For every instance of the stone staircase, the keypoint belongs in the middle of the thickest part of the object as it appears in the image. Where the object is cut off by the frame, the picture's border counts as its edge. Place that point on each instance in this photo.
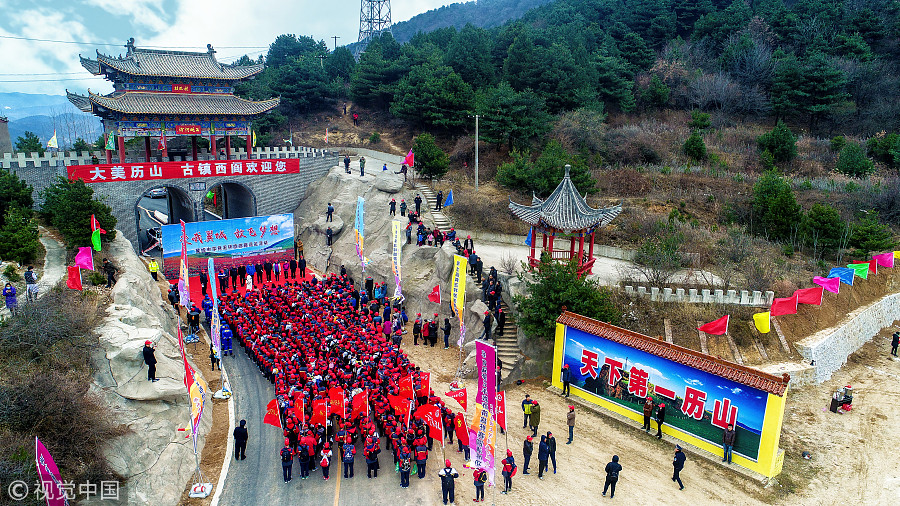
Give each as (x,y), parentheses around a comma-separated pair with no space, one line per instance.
(507,344)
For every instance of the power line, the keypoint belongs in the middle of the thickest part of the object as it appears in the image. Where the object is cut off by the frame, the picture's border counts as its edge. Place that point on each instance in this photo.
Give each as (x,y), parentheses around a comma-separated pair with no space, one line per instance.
(45,74)
(32,39)
(51,80)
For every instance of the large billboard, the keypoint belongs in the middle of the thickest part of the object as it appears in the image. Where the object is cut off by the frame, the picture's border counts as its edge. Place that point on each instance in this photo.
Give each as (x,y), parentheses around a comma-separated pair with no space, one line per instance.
(617,369)
(238,241)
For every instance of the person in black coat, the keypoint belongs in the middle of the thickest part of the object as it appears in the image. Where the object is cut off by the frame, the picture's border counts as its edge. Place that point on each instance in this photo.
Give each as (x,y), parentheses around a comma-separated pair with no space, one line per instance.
(242,274)
(660,418)
(223,281)
(268,267)
(566,379)
(612,476)
(259,273)
(233,273)
(240,441)
(527,450)
(446,329)
(301,264)
(895,341)
(293,267)
(328,235)
(150,360)
(440,201)
(543,456)
(501,320)
(678,465)
(418,202)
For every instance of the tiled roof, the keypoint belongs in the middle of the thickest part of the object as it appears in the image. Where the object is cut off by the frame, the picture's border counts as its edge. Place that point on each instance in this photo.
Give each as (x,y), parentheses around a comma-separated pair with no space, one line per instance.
(80,101)
(564,209)
(712,365)
(134,102)
(154,62)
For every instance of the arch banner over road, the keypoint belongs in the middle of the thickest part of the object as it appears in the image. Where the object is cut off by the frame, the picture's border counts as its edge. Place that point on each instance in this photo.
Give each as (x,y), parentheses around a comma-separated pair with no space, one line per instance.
(148,171)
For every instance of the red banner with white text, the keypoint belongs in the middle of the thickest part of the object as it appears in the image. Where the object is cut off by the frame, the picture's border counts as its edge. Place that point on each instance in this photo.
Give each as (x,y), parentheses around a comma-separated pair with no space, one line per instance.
(121,172)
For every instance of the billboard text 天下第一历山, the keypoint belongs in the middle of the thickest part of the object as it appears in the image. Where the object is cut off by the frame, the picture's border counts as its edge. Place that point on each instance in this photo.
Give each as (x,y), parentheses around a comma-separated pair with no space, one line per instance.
(233,242)
(618,369)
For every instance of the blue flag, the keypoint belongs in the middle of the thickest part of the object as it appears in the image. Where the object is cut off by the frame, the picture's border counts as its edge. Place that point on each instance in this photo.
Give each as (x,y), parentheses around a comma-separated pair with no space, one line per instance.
(845,275)
(449,201)
(528,237)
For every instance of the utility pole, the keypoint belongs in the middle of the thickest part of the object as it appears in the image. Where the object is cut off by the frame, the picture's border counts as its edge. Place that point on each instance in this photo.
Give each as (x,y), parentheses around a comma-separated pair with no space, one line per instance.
(321,58)
(335,37)
(476,152)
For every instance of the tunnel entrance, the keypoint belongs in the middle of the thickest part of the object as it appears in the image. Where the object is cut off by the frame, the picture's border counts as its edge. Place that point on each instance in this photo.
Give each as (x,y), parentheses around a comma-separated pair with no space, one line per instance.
(228,200)
(160,206)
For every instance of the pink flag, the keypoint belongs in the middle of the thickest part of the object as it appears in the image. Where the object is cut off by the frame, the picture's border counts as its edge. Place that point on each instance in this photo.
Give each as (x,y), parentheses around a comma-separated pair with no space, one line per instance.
(786,305)
(810,295)
(49,475)
(884,259)
(833,285)
(410,159)
(717,327)
(85,259)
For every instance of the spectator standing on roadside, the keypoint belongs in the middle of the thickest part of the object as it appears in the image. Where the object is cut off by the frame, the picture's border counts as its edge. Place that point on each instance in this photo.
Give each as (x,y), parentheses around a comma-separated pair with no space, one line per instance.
(535,418)
(526,408)
(660,419)
(240,440)
(570,422)
(153,267)
(895,341)
(612,476)
(12,303)
(648,412)
(566,379)
(150,360)
(678,465)
(527,450)
(551,444)
(728,438)
(448,481)
(543,456)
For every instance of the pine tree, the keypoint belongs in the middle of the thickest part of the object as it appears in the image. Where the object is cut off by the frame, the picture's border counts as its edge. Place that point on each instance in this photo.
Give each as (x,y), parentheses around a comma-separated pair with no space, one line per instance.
(823,86)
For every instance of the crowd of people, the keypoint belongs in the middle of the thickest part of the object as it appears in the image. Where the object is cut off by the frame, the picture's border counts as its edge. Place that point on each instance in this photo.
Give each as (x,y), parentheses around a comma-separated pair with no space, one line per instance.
(313,338)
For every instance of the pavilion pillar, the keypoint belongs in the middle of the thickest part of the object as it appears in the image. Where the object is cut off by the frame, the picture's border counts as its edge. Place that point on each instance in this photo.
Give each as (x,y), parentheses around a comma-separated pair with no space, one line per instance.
(107,152)
(572,248)
(147,152)
(212,147)
(580,249)
(194,146)
(228,147)
(591,247)
(249,144)
(533,241)
(121,149)
(550,244)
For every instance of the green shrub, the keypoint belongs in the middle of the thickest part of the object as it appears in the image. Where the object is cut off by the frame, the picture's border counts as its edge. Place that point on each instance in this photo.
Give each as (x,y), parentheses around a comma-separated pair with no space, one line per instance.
(853,161)
(775,208)
(11,273)
(19,236)
(68,206)
(431,161)
(375,138)
(870,236)
(699,120)
(780,141)
(657,93)
(96,278)
(694,147)
(838,143)
(767,160)
(885,149)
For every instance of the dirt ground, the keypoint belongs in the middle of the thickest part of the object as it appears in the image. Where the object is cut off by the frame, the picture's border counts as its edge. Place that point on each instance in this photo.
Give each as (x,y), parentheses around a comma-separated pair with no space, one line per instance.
(853,460)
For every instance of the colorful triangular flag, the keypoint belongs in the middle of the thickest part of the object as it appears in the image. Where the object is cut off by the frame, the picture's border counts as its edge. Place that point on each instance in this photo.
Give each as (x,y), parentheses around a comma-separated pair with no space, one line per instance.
(110,142)
(861,270)
(52,142)
(410,159)
(785,305)
(435,295)
(74,279)
(884,259)
(528,237)
(762,321)
(810,295)
(95,233)
(449,200)
(85,258)
(833,285)
(716,327)
(844,274)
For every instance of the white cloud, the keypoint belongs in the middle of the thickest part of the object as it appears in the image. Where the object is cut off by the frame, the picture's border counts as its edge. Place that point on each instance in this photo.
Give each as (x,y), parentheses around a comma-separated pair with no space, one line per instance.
(146,13)
(654,373)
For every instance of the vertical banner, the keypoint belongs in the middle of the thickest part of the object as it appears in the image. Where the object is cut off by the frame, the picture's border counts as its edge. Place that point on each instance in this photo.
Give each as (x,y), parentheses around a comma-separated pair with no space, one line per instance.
(501,410)
(486,370)
(360,205)
(458,293)
(482,434)
(397,235)
(184,293)
(51,481)
(215,326)
(196,388)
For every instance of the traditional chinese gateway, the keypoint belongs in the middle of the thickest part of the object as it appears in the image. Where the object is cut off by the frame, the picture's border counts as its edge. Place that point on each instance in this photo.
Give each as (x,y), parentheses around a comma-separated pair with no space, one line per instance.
(164,94)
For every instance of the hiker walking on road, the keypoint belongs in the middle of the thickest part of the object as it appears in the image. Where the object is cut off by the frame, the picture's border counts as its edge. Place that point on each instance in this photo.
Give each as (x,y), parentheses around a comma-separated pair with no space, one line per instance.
(535,418)
(393,207)
(526,408)
(347,164)
(448,484)
(31,286)
(403,207)
(348,451)
(108,268)
(612,476)
(287,461)
(481,478)
(418,202)
(326,460)
(12,303)
(150,360)
(570,422)
(509,467)
(362,166)
(660,419)
(405,467)
(240,441)
(566,379)
(440,201)
(678,465)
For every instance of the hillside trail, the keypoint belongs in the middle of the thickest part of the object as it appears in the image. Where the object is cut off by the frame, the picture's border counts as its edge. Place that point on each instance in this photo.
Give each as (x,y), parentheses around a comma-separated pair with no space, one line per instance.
(362,131)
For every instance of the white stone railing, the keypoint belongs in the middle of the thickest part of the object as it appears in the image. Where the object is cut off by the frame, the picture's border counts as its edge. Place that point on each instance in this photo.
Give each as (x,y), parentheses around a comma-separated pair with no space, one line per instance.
(704,296)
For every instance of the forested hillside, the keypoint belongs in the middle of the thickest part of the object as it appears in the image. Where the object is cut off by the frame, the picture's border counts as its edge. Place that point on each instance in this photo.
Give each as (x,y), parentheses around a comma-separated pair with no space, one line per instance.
(483,14)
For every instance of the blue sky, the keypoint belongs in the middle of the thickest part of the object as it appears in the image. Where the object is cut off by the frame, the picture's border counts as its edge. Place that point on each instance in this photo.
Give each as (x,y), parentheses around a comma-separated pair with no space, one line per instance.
(188,24)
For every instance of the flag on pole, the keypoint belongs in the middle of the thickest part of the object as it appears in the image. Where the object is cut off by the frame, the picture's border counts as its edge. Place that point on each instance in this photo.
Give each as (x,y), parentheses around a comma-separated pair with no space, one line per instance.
(51,480)
(396,250)
(462,432)
(85,259)
(319,412)
(842,273)
(74,279)
(95,233)
(359,229)
(528,237)
(273,414)
(761,320)
(360,405)
(184,292)
(435,295)
(833,285)
(861,270)
(501,409)
(884,259)
(460,395)
(424,384)
(336,401)
(810,295)
(717,327)
(785,305)
(52,142)
(449,200)
(300,408)
(326,136)
(431,414)
(253,138)
(110,142)
(458,293)
(410,159)
(405,387)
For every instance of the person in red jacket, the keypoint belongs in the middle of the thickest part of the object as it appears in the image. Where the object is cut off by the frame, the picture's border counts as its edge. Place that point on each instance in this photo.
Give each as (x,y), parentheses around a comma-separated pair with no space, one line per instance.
(508,470)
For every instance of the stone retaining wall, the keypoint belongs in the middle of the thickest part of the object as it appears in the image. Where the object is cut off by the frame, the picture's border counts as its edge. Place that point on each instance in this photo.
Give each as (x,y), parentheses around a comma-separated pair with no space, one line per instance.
(828,349)
(704,296)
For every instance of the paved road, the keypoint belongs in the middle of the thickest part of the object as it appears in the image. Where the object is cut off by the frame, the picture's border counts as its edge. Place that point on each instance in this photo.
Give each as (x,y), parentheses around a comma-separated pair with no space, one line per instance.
(258,479)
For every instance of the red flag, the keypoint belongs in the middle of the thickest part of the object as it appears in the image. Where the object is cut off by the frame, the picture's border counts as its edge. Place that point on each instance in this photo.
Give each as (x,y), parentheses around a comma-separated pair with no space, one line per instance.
(810,295)
(300,409)
(162,144)
(320,412)
(95,225)
(399,403)
(336,401)
(410,159)
(717,327)
(501,409)
(462,432)
(425,381)
(74,281)
(435,295)
(406,387)
(360,404)
(272,417)
(459,396)
(786,305)
(432,416)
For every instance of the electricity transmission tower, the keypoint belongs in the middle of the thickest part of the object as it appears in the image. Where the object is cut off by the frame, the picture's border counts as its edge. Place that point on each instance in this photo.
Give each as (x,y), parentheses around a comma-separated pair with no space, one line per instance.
(374,18)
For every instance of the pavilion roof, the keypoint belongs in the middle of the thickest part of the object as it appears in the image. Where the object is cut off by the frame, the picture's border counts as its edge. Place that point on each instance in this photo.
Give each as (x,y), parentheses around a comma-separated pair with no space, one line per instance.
(138,102)
(564,209)
(164,63)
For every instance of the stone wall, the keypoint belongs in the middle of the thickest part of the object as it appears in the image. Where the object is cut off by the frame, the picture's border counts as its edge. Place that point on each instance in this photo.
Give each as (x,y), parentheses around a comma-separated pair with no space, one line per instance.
(154,457)
(705,296)
(829,348)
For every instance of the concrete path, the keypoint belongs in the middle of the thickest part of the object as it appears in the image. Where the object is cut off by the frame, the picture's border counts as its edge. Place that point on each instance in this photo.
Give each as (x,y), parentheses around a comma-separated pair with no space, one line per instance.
(258,478)
(54,262)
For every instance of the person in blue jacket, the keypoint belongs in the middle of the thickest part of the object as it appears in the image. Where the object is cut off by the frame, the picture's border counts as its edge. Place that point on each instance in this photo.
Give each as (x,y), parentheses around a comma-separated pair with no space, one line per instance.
(226,340)
(207,307)
(566,379)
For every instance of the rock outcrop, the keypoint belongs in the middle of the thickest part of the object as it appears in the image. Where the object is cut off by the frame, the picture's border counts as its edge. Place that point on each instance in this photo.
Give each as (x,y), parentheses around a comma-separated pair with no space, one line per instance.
(153,456)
